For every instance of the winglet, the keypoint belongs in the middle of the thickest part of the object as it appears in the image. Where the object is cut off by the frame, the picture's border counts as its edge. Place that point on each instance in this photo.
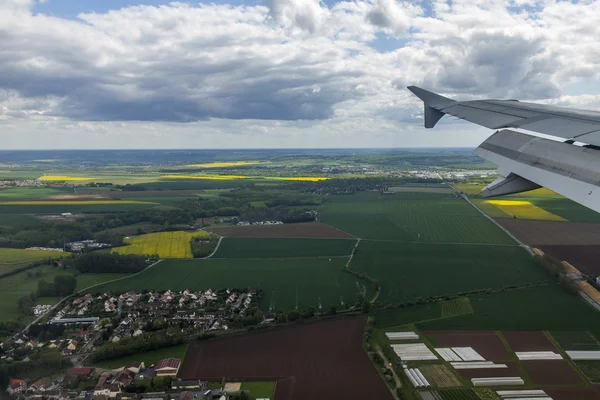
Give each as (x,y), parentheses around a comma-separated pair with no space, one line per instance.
(432,102)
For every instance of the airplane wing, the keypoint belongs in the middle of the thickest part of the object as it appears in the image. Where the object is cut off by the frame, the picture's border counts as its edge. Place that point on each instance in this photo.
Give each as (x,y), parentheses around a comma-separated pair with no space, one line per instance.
(578,125)
(527,162)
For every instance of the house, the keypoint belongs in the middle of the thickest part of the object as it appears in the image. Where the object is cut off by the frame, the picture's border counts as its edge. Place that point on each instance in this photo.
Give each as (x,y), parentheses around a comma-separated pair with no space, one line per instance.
(137,333)
(79,371)
(167,367)
(135,366)
(124,378)
(16,386)
(114,390)
(72,345)
(186,396)
(36,386)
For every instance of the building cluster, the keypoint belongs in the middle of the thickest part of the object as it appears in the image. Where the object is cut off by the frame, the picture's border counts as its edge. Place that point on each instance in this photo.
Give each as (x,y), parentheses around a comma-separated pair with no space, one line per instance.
(20,183)
(92,320)
(135,381)
(245,223)
(91,244)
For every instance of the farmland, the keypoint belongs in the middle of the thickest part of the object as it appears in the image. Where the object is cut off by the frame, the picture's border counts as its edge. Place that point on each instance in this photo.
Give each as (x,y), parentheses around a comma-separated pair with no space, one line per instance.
(298,230)
(54,207)
(287,283)
(21,284)
(524,209)
(540,308)
(575,242)
(409,270)
(334,346)
(150,357)
(283,247)
(12,258)
(544,199)
(174,244)
(411,217)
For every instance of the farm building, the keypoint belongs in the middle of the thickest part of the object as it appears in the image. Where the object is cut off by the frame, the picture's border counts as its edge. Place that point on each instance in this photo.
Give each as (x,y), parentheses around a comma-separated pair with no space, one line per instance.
(167,367)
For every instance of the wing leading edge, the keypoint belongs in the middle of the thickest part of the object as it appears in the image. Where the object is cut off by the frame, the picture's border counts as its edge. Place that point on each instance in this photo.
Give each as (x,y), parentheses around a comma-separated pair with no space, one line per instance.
(526,162)
(578,125)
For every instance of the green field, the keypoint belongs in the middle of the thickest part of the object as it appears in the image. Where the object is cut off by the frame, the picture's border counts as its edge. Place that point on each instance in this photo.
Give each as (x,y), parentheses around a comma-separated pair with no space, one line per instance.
(21,284)
(412,217)
(23,193)
(543,198)
(286,283)
(590,368)
(260,390)
(283,247)
(406,315)
(458,394)
(409,270)
(576,341)
(11,257)
(71,208)
(149,357)
(19,220)
(541,308)
(456,307)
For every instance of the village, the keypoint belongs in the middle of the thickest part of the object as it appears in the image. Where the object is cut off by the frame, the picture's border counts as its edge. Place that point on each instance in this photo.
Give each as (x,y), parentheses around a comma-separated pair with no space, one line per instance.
(89,324)
(135,380)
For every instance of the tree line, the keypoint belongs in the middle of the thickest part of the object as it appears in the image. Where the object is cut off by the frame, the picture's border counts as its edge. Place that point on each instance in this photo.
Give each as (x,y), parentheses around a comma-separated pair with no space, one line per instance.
(100,262)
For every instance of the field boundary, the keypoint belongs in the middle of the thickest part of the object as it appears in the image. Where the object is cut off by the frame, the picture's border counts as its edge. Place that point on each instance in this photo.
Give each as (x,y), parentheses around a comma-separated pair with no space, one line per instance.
(513,237)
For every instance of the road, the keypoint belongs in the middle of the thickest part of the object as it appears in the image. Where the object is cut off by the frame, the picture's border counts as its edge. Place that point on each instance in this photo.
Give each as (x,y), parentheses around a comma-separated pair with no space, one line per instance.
(466,198)
(54,307)
(392,370)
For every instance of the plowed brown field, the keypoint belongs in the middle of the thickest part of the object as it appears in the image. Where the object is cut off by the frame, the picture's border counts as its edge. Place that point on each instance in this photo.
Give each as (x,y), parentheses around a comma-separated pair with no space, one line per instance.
(575,242)
(300,230)
(551,372)
(319,360)
(486,343)
(528,341)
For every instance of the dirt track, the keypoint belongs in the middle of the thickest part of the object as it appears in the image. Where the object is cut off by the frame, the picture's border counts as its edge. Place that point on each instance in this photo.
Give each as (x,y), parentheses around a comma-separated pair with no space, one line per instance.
(299,230)
(575,242)
(551,233)
(317,360)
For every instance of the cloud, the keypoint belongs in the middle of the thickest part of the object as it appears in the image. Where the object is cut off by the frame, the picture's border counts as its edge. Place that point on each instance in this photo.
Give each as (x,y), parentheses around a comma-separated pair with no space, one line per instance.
(296,61)
(392,16)
(307,15)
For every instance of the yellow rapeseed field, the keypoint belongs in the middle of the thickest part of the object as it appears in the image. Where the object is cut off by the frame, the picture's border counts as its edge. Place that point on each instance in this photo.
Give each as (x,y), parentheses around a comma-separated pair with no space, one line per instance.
(225,164)
(64,178)
(63,202)
(524,209)
(174,244)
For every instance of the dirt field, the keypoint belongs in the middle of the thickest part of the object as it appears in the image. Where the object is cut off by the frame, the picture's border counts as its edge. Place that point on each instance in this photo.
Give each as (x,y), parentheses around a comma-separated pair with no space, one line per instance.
(318,360)
(512,370)
(300,230)
(94,196)
(551,372)
(486,343)
(588,393)
(551,233)
(528,341)
(584,258)
(575,242)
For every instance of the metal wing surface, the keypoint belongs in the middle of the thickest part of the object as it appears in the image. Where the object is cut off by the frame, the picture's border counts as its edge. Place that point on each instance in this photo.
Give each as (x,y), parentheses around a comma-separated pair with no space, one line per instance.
(578,125)
(527,162)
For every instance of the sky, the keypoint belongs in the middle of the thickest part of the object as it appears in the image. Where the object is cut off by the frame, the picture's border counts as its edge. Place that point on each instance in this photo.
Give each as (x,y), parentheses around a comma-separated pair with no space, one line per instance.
(108,74)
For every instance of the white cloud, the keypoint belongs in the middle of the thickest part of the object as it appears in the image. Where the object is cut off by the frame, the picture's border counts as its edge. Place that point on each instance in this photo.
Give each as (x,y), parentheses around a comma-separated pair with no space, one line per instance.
(228,71)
